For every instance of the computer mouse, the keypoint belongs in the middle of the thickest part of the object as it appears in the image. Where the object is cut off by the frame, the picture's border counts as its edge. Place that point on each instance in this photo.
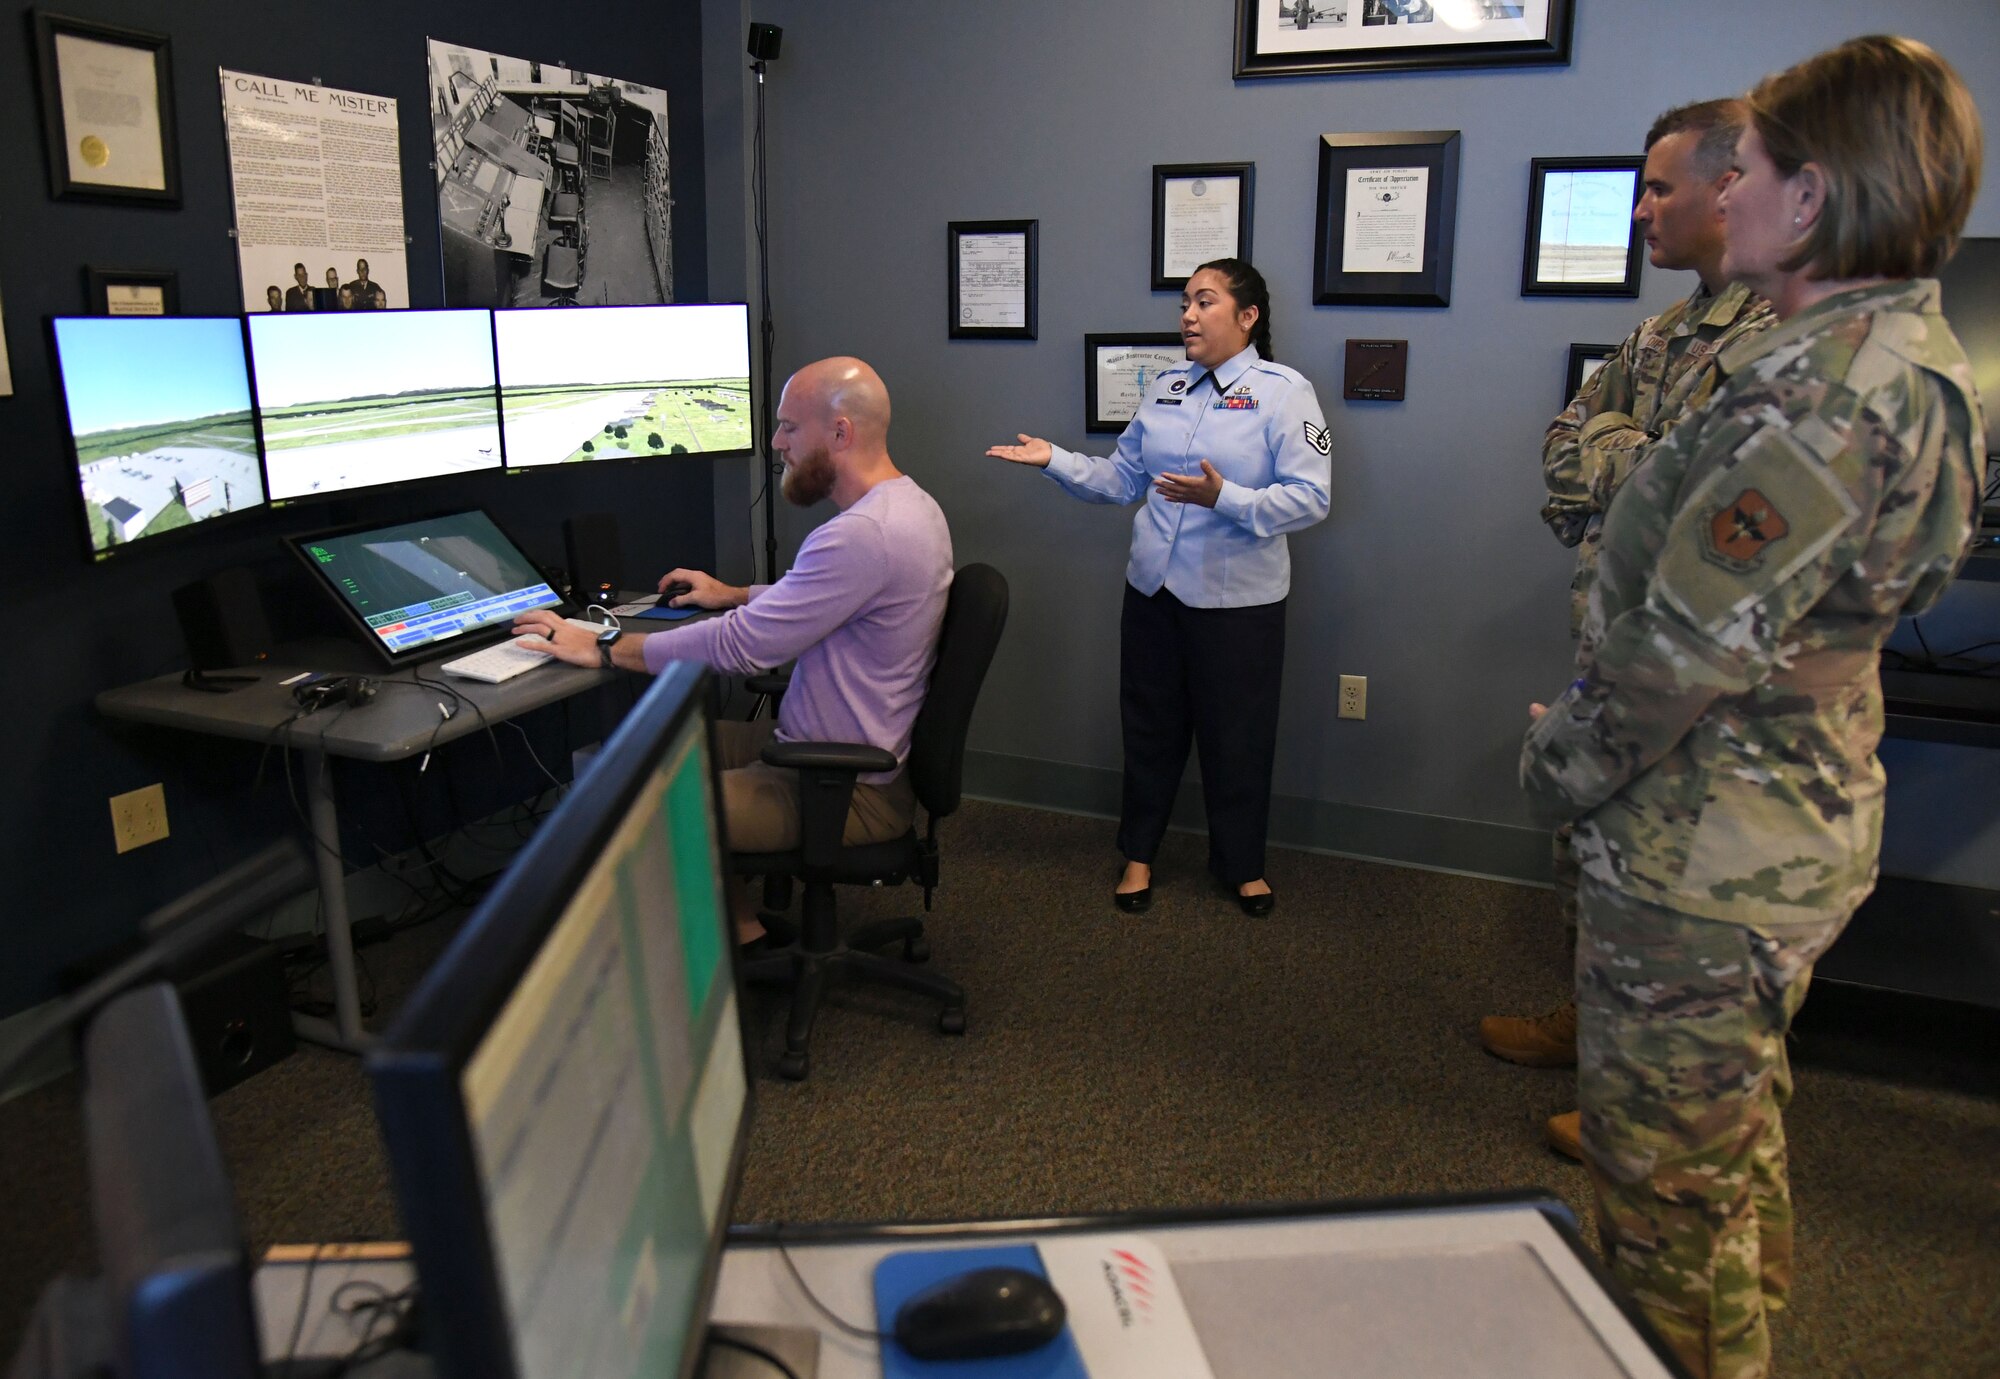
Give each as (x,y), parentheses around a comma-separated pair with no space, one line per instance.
(675,590)
(981,1313)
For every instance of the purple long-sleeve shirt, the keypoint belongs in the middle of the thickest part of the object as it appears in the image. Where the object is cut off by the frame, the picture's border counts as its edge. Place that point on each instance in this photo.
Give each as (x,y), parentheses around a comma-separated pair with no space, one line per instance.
(859,610)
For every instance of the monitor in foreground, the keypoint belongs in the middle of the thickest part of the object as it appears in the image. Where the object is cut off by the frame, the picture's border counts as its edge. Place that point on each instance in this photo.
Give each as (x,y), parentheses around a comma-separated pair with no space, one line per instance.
(160,423)
(353,400)
(563,1100)
(624,382)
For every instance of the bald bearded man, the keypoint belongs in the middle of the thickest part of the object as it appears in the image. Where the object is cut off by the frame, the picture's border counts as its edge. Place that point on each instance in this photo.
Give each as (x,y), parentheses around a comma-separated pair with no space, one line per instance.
(859,610)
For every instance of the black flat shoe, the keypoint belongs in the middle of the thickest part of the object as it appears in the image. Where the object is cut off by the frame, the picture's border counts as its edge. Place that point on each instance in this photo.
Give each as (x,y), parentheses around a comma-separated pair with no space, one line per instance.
(1133,902)
(1256,906)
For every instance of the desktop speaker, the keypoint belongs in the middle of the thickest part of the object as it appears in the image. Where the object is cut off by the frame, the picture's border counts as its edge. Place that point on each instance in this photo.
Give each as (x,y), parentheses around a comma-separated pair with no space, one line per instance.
(764,41)
(238,1015)
(590,545)
(222,618)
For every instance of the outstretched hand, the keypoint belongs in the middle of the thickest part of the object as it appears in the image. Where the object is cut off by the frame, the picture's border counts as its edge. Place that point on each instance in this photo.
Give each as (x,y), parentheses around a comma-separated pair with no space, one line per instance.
(1202,489)
(1031,450)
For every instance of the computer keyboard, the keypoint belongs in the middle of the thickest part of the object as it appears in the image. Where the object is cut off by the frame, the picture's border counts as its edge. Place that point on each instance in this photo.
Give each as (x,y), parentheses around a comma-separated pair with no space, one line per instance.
(505,660)
(501,661)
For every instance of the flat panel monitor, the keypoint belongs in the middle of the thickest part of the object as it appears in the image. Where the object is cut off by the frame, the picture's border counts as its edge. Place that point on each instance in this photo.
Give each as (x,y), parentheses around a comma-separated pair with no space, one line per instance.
(1970,285)
(416,589)
(359,399)
(563,1099)
(159,422)
(623,382)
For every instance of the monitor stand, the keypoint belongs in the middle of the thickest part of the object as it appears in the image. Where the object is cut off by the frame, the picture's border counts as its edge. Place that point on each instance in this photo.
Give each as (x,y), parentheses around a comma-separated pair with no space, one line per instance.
(796,1346)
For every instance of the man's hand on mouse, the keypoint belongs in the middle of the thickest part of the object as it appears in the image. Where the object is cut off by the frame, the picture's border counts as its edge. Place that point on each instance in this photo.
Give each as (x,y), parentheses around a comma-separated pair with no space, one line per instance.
(702,591)
(541,630)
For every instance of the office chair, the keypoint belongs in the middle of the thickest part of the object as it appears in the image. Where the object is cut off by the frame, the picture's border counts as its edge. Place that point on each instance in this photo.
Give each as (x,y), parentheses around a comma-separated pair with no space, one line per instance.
(975,614)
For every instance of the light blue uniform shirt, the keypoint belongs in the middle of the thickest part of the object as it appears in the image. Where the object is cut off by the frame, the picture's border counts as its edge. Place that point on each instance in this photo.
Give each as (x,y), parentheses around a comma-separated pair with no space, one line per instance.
(1260,425)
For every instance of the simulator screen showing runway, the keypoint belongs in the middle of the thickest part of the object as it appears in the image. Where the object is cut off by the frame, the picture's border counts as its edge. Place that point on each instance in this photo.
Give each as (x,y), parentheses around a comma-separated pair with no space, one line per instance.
(353,400)
(159,413)
(624,382)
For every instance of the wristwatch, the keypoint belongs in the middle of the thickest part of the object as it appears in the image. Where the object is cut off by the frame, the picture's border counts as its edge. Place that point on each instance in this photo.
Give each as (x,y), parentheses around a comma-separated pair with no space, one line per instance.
(604,641)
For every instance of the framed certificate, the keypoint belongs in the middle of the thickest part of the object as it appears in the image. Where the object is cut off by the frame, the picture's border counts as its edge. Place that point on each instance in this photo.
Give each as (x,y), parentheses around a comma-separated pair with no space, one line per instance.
(1291,38)
(1582,240)
(1201,211)
(107,112)
(992,279)
(1388,207)
(1584,362)
(1117,369)
(132,291)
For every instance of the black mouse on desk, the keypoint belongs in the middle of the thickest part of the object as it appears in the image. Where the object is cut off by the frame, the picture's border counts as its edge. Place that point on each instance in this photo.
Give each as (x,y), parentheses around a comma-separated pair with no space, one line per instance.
(675,590)
(982,1313)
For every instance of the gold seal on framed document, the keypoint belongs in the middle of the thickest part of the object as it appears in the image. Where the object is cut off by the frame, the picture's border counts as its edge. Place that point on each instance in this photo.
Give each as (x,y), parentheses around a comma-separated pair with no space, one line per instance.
(94,150)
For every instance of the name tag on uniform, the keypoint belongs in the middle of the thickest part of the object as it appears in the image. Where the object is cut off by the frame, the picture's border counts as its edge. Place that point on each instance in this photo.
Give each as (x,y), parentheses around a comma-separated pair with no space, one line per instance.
(1167,401)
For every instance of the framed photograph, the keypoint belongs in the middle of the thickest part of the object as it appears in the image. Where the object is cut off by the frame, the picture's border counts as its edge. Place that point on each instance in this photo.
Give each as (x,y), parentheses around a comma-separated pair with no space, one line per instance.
(1201,211)
(1584,362)
(132,291)
(1117,370)
(993,279)
(1297,38)
(107,112)
(1388,205)
(1581,239)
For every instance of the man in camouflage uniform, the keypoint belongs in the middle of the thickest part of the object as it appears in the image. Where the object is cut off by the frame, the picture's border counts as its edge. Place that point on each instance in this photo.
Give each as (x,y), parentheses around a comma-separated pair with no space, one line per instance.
(1663,372)
(1717,756)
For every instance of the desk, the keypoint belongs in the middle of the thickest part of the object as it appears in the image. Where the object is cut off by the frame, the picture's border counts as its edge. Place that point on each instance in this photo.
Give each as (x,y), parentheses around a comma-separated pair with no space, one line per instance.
(1495,1285)
(401,722)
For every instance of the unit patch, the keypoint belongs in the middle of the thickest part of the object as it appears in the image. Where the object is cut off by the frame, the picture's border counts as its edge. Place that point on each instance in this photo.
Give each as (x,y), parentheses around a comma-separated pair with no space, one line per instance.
(1178,386)
(1739,530)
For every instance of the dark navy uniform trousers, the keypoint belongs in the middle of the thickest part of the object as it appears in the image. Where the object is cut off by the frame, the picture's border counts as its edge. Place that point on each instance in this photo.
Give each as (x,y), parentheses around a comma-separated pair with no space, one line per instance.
(1208,676)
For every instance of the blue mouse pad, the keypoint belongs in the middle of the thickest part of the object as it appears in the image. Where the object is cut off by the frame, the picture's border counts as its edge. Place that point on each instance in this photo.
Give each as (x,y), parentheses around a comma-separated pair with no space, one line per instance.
(659,612)
(899,1276)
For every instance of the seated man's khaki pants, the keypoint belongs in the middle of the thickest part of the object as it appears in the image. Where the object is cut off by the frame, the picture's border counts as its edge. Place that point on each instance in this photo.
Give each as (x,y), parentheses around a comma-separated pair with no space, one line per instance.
(760,803)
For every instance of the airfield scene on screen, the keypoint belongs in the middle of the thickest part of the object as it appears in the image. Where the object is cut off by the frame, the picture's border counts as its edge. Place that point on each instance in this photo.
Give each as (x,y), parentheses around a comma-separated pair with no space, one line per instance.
(160,411)
(351,401)
(602,383)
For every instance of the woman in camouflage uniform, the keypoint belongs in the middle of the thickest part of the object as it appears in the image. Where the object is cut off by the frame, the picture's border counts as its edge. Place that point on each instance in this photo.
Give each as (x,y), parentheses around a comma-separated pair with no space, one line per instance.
(1717,750)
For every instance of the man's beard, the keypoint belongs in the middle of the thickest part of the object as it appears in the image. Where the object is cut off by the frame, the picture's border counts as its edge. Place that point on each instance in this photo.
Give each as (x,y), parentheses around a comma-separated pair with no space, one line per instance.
(808,481)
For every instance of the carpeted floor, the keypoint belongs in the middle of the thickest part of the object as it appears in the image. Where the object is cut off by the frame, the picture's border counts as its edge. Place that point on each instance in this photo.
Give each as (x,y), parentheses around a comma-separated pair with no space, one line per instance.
(1187,1056)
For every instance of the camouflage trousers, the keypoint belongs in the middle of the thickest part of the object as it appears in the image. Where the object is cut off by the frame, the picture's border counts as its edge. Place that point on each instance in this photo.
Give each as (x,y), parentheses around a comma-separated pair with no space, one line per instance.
(1682,1076)
(1567,875)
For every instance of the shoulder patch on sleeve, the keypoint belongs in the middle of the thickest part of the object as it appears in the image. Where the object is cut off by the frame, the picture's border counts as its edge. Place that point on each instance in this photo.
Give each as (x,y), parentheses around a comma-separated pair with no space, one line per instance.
(1319,439)
(1750,526)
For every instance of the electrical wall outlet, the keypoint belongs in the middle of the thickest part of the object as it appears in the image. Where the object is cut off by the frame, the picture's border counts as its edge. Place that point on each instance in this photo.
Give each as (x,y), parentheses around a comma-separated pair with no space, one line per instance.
(1353,696)
(139,817)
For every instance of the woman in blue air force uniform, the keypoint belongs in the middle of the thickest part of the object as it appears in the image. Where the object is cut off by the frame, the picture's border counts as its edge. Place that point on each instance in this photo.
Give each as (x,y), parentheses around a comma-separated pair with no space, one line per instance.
(1229,453)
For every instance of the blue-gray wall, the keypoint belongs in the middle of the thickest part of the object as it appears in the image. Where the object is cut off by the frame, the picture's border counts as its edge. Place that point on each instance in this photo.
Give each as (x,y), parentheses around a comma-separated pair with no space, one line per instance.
(1432,577)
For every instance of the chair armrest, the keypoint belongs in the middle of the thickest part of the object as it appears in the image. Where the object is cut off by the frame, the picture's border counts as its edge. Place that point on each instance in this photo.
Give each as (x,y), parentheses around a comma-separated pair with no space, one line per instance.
(828,756)
(767,682)
(827,775)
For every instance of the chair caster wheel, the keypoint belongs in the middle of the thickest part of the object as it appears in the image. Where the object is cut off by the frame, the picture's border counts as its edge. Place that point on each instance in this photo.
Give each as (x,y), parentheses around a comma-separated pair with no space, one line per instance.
(916,950)
(792,1066)
(951,1022)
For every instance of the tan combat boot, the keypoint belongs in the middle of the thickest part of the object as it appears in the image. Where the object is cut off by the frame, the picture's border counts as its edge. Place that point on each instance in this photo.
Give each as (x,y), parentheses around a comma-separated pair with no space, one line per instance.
(1565,1134)
(1535,1041)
